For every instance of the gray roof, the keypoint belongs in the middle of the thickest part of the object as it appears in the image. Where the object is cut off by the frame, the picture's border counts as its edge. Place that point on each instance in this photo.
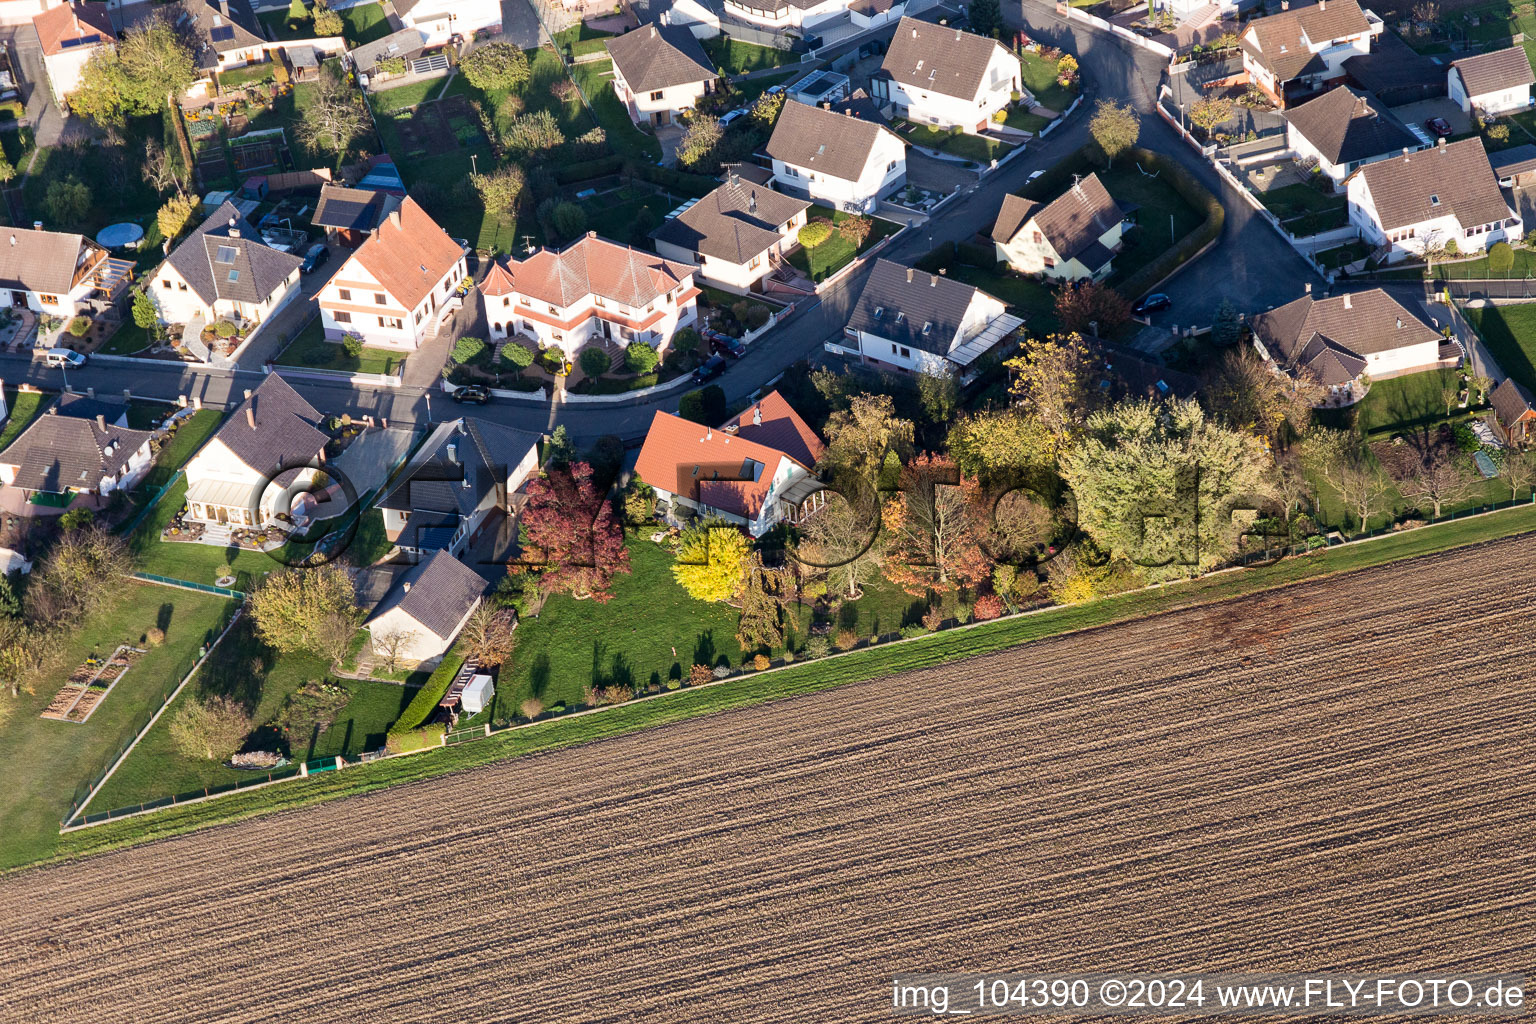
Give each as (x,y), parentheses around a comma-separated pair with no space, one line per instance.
(1346,125)
(44,261)
(1514,160)
(352,209)
(286,434)
(408,42)
(432,486)
(1395,72)
(944,60)
(218,26)
(834,142)
(1330,337)
(898,302)
(1454,178)
(59,453)
(1492,72)
(226,259)
(1073,222)
(735,222)
(438,593)
(660,56)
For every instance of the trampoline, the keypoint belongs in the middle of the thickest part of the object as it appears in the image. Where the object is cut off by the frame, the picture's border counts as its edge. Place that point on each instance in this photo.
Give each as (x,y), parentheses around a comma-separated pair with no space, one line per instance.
(120,236)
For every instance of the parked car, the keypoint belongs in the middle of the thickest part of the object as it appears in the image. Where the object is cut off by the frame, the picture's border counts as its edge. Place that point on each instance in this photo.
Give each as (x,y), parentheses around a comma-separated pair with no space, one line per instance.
(725,345)
(476,393)
(63,358)
(314,256)
(733,116)
(774,90)
(1035,174)
(1439,127)
(711,369)
(1152,304)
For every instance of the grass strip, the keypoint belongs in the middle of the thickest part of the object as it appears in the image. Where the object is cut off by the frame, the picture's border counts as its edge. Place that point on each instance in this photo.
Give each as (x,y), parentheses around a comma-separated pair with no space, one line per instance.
(809,677)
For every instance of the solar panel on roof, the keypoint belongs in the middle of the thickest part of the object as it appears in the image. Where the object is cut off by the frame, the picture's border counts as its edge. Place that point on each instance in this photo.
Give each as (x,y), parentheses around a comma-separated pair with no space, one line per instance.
(221,33)
(226,254)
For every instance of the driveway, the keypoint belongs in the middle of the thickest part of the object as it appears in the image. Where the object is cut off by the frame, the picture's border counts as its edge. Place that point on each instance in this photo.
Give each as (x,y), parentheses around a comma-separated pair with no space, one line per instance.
(287,322)
(51,125)
(937,175)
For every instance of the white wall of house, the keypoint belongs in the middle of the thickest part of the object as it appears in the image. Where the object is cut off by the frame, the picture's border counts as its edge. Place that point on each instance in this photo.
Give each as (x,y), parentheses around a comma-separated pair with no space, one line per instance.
(787,17)
(1410,239)
(772,512)
(1029,251)
(1409,357)
(423,644)
(863,21)
(354,302)
(983,309)
(1501,101)
(441,19)
(734,277)
(54,305)
(1003,78)
(692,15)
(179,304)
(661,106)
(571,327)
(215,463)
(1334,53)
(64,69)
(884,171)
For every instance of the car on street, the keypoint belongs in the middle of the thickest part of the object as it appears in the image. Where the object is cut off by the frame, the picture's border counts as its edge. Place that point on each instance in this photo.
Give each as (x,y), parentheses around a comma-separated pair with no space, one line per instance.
(725,345)
(1152,304)
(1439,127)
(314,256)
(774,90)
(476,393)
(1035,174)
(65,358)
(711,369)
(733,117)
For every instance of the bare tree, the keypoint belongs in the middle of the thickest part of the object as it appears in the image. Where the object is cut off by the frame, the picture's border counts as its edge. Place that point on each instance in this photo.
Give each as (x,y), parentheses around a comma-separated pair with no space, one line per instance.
(158,168)
(841,540)
(392,645)
(1449,396)
(488,634)
(336,117)
(1516,469)
(1440,480)
(1363,491)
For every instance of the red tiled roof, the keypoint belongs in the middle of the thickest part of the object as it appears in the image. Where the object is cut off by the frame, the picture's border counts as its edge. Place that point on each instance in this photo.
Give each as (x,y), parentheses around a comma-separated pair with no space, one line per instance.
(771,422)
(407,254)
(73,21)
(596,266)
(497,282)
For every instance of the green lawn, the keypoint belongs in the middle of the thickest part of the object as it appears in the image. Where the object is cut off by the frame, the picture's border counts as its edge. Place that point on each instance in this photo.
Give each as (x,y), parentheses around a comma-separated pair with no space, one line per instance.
(189,437)
(614,214)
(311,349)
(388,101)
(582,39)
(735,57)
(130,338)
(836,252)
(363,24)
(287,111)
(45,760)
(1161,208)
(107,168)
(23,408)
(945,647)
(1472,270)
(747,90)
(596,80)
(1407,403)
(251,73)
(968,147)
(246,669)
(1293,200)
(1040,79)
(1510,334)
(1024,121)
(277,21)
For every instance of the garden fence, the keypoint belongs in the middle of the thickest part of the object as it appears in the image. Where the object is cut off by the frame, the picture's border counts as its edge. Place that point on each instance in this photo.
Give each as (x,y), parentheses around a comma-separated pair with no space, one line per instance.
(202,588)
(281,774)
(138,517)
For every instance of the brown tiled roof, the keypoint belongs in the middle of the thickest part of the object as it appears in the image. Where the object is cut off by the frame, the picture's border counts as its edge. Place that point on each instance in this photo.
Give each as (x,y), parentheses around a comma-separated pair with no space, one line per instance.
(1331,337)
(1279,42)
(408,254)
(937,58)
(1072,222)
(44,261)
(437,593)
(498,281)
(1511,401)
(596,266)
(1491,72)
(735,222)
(771,422)
(60,453)
(834,142)
(80,24)
(659,56)
(286,433)
(1454,178)
(1346,124)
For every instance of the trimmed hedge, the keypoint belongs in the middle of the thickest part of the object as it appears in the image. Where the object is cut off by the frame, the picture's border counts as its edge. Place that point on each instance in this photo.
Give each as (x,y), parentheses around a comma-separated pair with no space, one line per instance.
(697,185)
(584,170)
(1196,195)
(420,707)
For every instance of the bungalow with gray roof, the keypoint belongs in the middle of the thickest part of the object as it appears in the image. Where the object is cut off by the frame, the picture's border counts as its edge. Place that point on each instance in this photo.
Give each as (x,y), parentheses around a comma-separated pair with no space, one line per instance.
(426,609)
(61,458)
(914,321)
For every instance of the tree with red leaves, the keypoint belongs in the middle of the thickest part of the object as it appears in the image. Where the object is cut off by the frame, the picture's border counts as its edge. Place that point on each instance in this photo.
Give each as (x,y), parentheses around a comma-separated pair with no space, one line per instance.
(572,538)
(933,528)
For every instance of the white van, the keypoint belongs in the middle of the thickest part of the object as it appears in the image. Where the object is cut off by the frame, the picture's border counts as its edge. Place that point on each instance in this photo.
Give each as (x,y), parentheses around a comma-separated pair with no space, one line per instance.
(63,357)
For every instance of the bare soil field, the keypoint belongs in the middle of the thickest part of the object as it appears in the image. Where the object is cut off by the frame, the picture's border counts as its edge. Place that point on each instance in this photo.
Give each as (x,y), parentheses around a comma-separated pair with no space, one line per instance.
(1333,776)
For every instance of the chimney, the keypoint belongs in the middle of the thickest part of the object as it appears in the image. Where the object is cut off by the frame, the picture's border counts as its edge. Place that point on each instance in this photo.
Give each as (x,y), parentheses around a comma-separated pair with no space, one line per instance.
(247,394)
(394,217)
(909,275)
(1322,5)
(405,588)
(1349,303)
(101,417)
(934,282)
(653,31)
(957,35)
(1441,143)
(826,104)
(1309,287)
(250,416)
(735,178)
(709,434)
(37,225)
(752,202)
(234,228)
(757,414)
(453,453)
(1285,5)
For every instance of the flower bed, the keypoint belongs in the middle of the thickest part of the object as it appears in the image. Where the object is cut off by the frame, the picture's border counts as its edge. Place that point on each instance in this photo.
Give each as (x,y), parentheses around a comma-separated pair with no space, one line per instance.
(89,684)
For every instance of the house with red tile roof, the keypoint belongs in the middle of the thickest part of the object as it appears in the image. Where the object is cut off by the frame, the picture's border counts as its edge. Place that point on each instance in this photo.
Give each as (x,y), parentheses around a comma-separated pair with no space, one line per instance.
(398,287)
(755,471)
(69,34)
(592,290)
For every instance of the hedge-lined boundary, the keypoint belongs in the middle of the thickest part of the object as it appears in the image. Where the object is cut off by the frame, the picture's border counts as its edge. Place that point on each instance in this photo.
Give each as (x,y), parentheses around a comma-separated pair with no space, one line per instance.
(1192,244)
(695,185)
(431,692)
(800,678)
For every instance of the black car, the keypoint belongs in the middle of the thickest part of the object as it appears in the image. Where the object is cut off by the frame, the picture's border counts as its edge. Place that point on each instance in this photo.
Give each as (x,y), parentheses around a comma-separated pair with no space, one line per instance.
(477,393)
(314,256)
(725,345)
(710,370)
(1152,304)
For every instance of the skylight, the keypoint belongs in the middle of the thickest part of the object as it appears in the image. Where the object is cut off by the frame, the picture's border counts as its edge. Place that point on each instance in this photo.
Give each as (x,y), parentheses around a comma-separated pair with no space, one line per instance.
(226,254)
(234,275)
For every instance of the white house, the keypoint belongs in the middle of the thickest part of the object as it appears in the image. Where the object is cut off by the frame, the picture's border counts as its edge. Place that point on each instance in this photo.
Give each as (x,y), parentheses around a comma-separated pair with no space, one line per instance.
(62,457)
(1446,197)
(57,272)
(70,33)
(426,608)
(223,270)
(1337,341)
(1074,237)
(806,15)
(463,473)
(1493,83)
(441,20)
(1345,129)
(937,75)
(659,71)
(914,321)
(269,449)
(592,290)
(1301,50)
(837,156)
(395,290)
(736,235)
(755,471)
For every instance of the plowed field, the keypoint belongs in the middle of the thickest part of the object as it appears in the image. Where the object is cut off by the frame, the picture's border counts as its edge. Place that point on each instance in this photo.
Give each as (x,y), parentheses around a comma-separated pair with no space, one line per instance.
(1335,776)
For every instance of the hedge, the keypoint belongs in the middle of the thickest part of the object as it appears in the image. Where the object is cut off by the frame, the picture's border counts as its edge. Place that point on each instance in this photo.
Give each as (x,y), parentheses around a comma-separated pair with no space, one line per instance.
(698,185)
(583,170)
(1197,196)
(427,698)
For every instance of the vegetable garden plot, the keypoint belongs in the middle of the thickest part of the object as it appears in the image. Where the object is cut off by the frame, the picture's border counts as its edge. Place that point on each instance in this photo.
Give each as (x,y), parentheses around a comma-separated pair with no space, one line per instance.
(89,684)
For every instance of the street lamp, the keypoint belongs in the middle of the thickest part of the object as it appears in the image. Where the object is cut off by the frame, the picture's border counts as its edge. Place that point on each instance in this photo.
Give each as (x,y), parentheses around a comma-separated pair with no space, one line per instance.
(429,406)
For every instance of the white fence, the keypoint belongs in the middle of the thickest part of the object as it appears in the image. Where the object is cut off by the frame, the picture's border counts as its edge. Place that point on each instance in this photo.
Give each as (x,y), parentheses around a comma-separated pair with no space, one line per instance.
(386,380)
(1074,14)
